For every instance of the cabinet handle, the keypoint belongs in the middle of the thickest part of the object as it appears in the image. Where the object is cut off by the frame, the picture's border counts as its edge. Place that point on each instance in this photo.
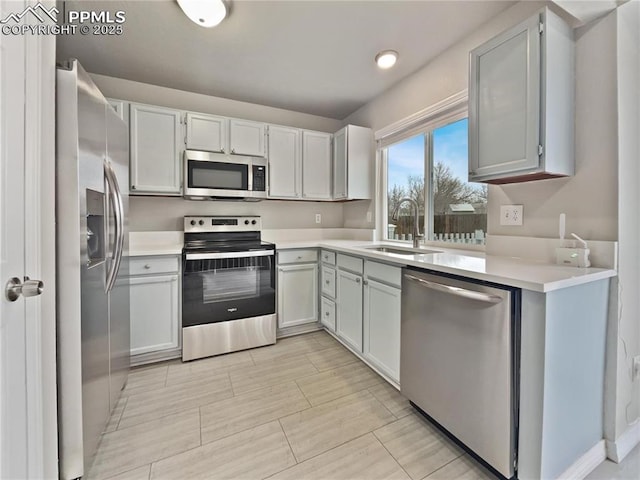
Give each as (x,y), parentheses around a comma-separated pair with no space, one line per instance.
(222,150)
(147,266)
(233,150)
(358,280)
(327,282)
(326,257)
(299,258)
(365,282)
(326,314)
(133,187)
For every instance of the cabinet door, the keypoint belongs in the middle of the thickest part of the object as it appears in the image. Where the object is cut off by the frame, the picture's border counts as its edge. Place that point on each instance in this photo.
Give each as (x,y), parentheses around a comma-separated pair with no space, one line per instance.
(340,164)
(349,309)
(504,103)
(155,313)
(316,165)
(285,166)
(156,143)
(297,294)
(207,132)
(246,138)
(382,327)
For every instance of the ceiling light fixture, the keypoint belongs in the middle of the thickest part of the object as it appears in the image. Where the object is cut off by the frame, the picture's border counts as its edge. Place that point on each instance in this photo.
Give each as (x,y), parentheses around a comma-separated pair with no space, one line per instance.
(206,13)
(386,58)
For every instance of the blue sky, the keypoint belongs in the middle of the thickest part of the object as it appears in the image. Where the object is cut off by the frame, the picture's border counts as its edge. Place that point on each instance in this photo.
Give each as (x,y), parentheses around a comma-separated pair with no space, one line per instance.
(450,147)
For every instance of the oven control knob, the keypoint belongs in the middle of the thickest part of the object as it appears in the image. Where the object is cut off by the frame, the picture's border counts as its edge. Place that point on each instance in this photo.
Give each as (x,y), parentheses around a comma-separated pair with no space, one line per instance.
(193,222)
(253,222)
(246,222)
(201,222)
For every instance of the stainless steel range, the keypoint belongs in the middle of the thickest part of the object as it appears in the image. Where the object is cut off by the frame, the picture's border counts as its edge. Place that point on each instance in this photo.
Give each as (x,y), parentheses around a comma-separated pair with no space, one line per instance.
(228,286)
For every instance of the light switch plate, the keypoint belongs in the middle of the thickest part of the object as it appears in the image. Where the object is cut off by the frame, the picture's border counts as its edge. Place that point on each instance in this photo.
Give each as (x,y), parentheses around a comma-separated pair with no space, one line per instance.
(511,215)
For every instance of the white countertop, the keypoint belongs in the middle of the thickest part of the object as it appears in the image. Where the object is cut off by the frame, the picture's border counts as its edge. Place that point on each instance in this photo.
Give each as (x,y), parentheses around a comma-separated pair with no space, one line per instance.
(517,272)
(526,274)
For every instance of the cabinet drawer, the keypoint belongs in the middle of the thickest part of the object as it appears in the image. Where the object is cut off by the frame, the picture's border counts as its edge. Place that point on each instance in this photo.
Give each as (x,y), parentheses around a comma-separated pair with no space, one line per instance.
(348,262)
(297,256)
(153,265)
(328,257)
(328,314)
(329,281)
(384,273)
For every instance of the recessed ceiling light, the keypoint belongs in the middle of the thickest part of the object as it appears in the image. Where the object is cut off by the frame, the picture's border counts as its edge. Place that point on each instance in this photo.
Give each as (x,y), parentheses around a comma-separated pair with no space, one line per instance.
(386,58)
(206,13)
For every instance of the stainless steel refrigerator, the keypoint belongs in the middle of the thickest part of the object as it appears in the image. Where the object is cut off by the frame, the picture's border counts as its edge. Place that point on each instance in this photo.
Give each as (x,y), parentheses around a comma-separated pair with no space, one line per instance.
(92,170)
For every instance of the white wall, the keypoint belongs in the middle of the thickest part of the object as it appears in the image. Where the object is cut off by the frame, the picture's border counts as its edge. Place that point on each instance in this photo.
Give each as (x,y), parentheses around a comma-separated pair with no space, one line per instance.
(623,402)
(590,197)
(165,213)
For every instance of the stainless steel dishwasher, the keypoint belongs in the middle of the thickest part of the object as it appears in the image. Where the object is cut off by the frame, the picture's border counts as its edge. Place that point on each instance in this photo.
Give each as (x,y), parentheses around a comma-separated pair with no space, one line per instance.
(460,349)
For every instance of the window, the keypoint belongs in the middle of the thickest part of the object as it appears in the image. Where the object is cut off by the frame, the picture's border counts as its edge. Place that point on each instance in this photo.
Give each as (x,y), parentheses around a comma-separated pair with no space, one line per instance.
(450,209)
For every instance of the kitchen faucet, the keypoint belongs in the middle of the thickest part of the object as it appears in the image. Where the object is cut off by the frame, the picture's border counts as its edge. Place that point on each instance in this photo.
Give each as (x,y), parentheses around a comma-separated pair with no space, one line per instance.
(416,232)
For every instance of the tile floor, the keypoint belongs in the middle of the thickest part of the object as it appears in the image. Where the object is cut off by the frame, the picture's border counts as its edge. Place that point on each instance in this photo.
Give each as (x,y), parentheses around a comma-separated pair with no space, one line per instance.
(304,408)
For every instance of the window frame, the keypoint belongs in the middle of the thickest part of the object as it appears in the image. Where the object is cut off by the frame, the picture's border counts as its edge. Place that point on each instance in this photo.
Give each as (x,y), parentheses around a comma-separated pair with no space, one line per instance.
(450,110)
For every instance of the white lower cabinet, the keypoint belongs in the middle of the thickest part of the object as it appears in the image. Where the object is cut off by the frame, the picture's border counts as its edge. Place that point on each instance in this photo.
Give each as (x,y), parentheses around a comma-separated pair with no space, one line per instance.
(297,294)
(155,309)
(349,309)
(382,327)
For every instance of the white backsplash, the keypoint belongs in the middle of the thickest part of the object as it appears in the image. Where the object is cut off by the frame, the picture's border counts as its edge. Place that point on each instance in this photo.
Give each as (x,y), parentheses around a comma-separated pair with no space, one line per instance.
(604,254)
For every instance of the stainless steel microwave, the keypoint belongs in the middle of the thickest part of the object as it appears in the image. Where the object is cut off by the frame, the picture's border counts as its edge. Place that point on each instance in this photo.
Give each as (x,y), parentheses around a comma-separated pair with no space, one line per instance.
(218,175)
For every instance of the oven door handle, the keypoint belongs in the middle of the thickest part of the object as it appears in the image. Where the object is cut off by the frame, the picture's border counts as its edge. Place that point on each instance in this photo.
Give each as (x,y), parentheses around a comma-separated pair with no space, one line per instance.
(214,256)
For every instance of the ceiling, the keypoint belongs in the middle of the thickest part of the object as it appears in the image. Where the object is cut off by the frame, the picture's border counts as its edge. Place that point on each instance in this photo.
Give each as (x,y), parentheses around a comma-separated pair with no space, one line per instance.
(308,56)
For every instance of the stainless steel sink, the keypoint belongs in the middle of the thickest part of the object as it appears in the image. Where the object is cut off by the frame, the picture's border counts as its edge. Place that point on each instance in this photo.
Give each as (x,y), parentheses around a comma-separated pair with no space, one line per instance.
(401,251)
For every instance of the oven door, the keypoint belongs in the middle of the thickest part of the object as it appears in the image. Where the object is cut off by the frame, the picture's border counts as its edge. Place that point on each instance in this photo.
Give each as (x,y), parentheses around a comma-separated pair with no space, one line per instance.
(213,174)
(218,287)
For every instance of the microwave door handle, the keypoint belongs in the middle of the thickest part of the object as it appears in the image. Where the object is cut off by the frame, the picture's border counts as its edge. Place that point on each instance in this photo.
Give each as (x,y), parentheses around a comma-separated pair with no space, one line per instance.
(115,197)
(250,177)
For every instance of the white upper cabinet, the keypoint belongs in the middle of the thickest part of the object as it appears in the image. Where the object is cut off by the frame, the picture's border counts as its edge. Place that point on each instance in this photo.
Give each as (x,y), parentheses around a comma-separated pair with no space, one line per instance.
(285,162)
(156,146)
(521,103)
(246,138)
(207,132)
(316,165)
(352,163)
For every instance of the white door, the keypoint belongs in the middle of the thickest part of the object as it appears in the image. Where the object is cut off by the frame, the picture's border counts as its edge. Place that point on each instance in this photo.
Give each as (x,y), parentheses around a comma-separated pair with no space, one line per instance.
(156,146)
(246,138)
(316,165)
(349,309)
(382,327)
(155,314)
(207,132)
(297,294)
(285,167)
(28,436)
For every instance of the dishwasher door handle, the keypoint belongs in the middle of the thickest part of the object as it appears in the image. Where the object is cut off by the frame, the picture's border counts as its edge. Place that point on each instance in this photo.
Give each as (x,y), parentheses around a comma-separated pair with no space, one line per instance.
(457,291)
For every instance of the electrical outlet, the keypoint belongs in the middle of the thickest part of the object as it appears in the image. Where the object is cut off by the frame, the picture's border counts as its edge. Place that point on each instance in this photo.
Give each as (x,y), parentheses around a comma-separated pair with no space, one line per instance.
(636,367)
(369,216)
(318,218)
(511,215)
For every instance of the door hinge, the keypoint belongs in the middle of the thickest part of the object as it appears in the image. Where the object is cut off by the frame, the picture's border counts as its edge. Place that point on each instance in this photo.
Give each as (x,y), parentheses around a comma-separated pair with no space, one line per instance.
(540,28)
(540,150)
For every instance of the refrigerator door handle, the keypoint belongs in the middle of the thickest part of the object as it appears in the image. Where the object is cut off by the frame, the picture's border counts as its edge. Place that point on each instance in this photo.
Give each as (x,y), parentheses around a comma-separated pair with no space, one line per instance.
(118,211)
